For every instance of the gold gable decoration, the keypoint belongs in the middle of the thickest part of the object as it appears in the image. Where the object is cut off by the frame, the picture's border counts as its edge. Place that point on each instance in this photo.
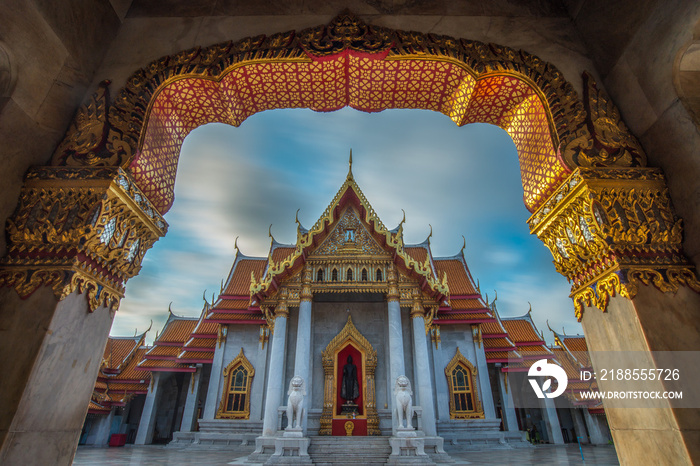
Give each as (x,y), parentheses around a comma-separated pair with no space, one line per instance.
(478,412)
(307,240)
(349,237)
(349,333)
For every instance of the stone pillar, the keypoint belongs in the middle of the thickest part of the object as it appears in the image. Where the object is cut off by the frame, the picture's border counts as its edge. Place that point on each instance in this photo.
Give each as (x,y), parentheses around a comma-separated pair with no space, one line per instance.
(104,429)
(642,298)
(275,375)
(147,424)
(579,426)
(190,412)
(217,368)
(594,431)
(76,237)
(551,421)
(510,420)
(396,358)
(422,371)
(302,358)
(486,395)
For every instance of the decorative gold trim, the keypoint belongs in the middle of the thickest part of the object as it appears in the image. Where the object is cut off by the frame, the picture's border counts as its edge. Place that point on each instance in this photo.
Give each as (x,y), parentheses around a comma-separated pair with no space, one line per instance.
(349,334)
(243,361)
(610,229)
(79,229)
(478,413)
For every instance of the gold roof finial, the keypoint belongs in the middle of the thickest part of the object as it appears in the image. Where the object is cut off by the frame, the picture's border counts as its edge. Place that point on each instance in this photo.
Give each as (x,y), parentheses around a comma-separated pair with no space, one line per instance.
(464,245)
(350,166)
(235,244)
(296,217)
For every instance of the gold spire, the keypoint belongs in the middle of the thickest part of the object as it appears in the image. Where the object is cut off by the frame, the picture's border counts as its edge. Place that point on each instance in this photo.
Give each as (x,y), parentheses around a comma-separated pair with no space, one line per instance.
(350,177)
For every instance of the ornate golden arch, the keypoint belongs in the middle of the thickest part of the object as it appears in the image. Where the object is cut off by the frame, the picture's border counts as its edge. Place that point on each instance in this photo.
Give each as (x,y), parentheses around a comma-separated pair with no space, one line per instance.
(349,333)
(243,361)
(463,79)
(457,360)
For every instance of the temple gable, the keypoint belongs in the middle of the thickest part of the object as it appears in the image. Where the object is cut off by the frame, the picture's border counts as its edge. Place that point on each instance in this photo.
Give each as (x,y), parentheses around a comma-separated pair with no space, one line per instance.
(350,236)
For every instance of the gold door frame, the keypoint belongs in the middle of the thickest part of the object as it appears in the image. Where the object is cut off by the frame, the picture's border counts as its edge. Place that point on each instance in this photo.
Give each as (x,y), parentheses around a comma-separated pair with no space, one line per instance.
(349,333)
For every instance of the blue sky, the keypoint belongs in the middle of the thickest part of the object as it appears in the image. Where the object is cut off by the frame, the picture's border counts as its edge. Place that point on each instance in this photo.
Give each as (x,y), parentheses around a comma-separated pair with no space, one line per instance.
(237,181)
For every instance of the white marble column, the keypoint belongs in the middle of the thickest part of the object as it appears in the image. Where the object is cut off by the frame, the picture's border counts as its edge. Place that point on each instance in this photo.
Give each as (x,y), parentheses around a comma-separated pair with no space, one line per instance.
(144,435)
(423,383)
(190,412)
(579,426)
(396,358)
(510,420)
(594,431)
(215,384)
(302,357)
(275,376)
(551,421)
(485,393)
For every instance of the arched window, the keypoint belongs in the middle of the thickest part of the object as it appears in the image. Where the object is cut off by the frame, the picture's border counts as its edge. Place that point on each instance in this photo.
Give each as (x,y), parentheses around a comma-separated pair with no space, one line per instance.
(379,275)
(464,400)
(348,275)
(364,275)
(319,275)
(235,400)
(334,275)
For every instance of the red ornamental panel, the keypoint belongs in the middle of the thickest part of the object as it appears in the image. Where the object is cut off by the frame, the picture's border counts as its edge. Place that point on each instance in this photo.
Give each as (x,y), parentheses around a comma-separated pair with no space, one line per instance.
(364,82)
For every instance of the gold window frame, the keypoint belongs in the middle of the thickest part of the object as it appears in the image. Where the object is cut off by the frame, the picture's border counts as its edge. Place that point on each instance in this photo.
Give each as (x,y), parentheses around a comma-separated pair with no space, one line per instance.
(229,370)
(460,360)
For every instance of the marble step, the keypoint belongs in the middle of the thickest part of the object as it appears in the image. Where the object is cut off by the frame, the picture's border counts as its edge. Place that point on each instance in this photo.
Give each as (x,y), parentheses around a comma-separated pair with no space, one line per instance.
(370,451)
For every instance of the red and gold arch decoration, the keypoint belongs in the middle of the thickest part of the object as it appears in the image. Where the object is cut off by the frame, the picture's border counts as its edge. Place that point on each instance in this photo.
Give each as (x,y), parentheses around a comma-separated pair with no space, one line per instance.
(345,63)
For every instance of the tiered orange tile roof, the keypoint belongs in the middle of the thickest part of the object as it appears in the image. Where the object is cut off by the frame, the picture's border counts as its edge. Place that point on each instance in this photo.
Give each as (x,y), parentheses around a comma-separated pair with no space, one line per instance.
(571,352)
(163,356)
(200,347)
(238,283)
(117,381)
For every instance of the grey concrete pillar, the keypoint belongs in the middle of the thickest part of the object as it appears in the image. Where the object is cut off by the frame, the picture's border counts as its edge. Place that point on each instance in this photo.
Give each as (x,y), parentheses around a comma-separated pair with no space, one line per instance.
(422,373)
(551,421)
(485,393)
(189,414)
(595,433)
(50,352)
(275,375)
(144,436)
(302,359)
(215,383)
(103,429)
(579,426)
(510,420)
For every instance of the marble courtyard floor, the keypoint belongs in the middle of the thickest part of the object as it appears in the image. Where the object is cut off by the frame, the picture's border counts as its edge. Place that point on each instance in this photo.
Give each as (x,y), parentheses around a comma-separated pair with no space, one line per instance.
(545,455)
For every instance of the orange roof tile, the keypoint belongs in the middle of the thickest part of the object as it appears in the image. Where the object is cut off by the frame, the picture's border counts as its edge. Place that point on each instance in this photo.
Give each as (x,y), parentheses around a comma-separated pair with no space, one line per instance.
(512,355)
(467,316)
(534,350)
(458,279)
(575,343)
(498,343)
(418,254)
(570,367)
(492,328)
(467,304)
(205,327)
(117,349)
(239,283)
(521,331)
(129,387)
(177,330)
(279,254)
(201,343)
(226,316)
(196,356)
(163,351)
(232,304)
(129,372)
(159,364)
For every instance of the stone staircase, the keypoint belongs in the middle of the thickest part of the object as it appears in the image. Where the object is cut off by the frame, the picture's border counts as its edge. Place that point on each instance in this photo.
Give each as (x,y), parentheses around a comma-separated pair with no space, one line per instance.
(369,451)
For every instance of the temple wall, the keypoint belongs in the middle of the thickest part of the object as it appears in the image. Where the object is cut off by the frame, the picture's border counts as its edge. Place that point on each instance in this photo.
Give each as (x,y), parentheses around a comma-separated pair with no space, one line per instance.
(452,336)
(246,337)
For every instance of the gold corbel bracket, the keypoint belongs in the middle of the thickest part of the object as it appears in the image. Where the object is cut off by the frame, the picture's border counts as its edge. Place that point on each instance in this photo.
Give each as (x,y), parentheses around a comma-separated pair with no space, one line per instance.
(610,230)
(79,229)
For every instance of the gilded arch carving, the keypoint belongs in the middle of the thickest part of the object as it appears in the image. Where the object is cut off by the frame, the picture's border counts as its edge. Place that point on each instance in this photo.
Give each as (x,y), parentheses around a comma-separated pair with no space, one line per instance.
(222,412)
(349,334)
(459,360)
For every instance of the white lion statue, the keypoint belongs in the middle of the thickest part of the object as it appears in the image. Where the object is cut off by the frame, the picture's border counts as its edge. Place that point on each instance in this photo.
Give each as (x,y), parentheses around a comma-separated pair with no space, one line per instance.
(295,402)
(403,402)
